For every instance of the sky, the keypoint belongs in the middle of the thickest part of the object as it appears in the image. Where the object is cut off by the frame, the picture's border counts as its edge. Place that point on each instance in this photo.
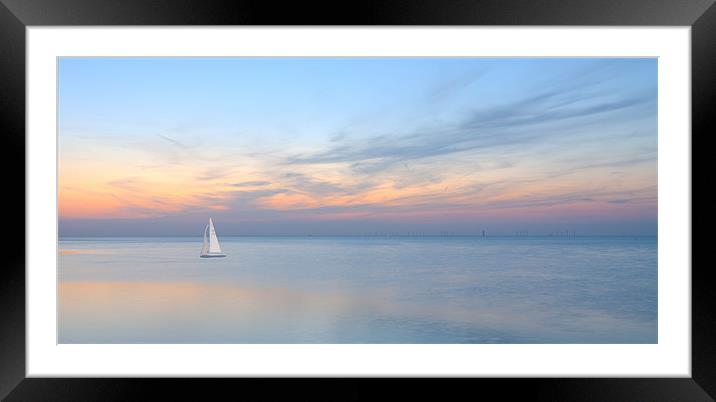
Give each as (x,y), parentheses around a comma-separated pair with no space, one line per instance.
(154,146)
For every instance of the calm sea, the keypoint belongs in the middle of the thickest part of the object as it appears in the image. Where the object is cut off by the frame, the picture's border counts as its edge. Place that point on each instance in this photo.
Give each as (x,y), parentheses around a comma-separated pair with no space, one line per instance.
(359,290)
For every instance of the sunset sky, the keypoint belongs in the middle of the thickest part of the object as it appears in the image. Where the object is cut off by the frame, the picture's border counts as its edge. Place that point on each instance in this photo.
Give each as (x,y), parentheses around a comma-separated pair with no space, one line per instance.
(154,146)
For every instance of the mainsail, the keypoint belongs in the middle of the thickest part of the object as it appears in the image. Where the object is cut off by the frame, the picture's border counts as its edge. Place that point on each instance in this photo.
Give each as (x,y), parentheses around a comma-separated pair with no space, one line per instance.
(214,246)
(211,246)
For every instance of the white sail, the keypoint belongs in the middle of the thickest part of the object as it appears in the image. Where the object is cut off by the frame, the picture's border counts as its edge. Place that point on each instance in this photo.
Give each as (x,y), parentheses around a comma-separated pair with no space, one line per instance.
(205,246)
(214,246)
(211,246)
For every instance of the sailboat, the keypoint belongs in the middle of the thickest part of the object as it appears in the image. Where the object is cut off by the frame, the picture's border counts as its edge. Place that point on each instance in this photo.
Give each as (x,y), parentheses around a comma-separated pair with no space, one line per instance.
(211,247)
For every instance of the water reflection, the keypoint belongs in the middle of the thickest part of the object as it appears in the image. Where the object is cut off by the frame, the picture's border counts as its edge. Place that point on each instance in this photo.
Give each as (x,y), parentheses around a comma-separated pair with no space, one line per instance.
(195,312)
(337,291)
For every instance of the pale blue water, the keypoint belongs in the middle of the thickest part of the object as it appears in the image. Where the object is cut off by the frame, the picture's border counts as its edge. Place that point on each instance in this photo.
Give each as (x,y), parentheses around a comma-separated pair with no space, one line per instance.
(359,290)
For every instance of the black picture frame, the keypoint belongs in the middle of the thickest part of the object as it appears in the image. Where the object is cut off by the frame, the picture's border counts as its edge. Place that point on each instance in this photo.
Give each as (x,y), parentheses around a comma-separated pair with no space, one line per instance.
(16,15)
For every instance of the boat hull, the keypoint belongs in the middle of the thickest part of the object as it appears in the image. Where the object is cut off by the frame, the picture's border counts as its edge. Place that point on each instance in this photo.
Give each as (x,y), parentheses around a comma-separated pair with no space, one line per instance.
(212,255)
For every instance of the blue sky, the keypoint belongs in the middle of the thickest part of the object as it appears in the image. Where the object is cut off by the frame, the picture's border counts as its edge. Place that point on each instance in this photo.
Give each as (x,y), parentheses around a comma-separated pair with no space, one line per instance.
(358,145)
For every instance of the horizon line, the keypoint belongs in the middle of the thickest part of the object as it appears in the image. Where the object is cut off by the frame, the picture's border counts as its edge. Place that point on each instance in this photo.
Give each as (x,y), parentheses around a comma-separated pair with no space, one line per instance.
(371,235)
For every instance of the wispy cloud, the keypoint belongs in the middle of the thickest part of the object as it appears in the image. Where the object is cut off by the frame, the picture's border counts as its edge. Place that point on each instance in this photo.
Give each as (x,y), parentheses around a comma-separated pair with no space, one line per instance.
(173,141)
(449,87)
(306,184)
(128,183)
(214,173)
(525,121)
(256,183)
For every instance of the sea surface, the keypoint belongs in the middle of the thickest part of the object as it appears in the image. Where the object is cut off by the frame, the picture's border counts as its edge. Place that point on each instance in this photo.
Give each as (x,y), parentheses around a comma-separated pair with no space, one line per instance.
(382,289)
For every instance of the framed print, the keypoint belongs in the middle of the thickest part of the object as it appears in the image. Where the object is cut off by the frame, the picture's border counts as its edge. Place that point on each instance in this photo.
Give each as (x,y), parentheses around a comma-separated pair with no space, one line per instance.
(485,191)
